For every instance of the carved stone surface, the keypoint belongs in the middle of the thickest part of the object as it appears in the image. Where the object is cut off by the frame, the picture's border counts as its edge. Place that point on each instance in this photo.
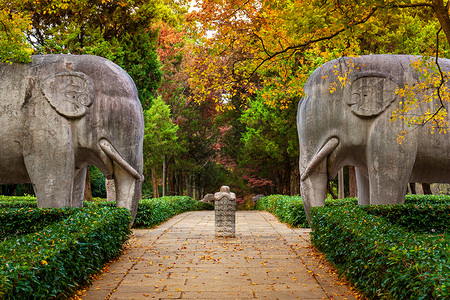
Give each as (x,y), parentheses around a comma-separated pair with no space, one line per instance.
(225,213)
(352,126)
(209,198)
(60,114)
(110,190)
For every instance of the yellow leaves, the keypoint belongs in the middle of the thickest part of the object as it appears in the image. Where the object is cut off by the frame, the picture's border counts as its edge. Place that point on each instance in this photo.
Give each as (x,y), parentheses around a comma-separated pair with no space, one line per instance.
(421,101)
(333,87)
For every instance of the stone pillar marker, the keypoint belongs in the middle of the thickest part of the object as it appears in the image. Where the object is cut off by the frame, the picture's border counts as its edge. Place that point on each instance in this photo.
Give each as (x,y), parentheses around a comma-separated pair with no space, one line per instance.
(225,212)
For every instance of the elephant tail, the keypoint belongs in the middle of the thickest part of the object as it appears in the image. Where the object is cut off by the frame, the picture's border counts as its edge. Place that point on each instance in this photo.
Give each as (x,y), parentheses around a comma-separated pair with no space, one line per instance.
(115,156)
(320,156)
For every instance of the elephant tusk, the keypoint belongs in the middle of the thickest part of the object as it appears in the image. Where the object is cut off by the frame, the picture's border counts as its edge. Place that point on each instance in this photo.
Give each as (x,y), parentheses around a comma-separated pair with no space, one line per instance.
(320,156)
(115,156)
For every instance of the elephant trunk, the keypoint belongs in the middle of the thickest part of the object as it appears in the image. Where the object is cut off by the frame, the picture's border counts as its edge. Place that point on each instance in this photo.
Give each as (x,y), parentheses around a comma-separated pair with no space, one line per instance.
(128,190)
(127,179)
(314,177)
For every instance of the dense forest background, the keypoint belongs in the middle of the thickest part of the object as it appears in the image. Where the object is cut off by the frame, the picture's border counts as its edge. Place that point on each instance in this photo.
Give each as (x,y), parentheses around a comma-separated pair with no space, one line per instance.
(220,80)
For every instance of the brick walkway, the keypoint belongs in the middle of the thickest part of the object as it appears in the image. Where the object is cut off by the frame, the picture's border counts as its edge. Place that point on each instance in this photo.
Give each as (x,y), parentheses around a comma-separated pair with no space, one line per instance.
(182,259)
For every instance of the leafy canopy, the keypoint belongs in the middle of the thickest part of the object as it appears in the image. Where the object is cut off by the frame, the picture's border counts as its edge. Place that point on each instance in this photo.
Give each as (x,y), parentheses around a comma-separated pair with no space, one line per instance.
(246,44)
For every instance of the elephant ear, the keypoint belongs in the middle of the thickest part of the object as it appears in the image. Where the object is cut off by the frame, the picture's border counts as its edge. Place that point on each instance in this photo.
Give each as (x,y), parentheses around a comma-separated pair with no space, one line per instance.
(69,93)
(370,93)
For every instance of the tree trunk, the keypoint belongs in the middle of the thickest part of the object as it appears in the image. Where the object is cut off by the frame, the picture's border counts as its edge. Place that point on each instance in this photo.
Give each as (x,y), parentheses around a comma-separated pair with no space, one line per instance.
(188,186)
(426,187)
(295,182)
(352,181)
(9,189)
(330,190)
(164,179)
(341,184)
(287,179)
(155,183)
(87,187)
(441,12)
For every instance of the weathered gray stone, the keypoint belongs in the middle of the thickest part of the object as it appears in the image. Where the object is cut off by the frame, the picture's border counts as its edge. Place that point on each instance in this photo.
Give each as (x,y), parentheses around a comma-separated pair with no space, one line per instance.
(60,114)
(352,126)
(209,198)
(257,197)
(110,190)
(225,212)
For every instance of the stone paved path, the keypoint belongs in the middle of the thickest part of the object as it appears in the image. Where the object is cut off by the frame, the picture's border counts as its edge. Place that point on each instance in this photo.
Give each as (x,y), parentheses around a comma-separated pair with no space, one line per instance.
(182,259)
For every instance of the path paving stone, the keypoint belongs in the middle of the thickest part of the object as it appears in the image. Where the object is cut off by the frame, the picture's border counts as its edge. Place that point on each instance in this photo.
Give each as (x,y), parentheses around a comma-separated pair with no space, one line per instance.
(182,259)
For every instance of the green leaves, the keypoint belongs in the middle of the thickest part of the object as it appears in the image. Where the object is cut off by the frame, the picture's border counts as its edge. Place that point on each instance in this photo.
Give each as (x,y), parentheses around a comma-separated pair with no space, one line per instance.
(153,212)
(67,246)
(383,259)
(160,133)
(13,43)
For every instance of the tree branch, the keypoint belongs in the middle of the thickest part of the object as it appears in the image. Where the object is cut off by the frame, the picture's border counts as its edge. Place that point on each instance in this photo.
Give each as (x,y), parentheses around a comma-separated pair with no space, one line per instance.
(308,43)
(441,83)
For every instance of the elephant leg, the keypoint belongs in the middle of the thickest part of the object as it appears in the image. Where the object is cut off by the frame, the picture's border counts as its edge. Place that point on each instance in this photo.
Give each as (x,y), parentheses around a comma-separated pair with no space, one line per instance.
(389,174)
(79,182)
(49,156)
(51,171)
(362,182)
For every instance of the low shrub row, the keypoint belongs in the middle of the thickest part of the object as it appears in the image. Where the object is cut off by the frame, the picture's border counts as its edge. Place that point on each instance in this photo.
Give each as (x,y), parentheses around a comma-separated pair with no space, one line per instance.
(289,209)
(49,252)
(20,221)
(53,260)
(420,217)
(151,212)
(383,259)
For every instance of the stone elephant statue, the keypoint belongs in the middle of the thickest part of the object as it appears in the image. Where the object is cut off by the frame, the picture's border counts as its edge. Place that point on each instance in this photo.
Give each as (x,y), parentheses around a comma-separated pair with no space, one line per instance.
(60,114)
(352,126)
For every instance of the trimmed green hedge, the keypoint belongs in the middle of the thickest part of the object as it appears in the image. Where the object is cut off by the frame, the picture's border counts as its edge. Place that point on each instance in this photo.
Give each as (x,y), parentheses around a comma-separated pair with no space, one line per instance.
(51,262)
(20,221)
(154,211)
(48,252)
(289,209)
(385,260)
(420,217)
(151,212)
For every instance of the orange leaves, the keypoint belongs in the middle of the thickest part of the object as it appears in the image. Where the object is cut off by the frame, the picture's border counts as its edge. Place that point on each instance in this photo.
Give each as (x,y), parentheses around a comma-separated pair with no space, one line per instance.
(271,44)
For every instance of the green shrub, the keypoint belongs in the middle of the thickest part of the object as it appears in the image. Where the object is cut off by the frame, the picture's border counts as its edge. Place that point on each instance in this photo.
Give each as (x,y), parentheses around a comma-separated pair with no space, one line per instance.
(98,185)
(17,201)
(19,221)
(49,252)
(52,262)
(152,212)
(421,217)
(289,209)
(382,259)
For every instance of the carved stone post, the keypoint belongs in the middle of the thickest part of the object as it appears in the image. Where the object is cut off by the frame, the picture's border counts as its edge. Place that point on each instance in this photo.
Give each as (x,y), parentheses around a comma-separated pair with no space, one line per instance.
(110,190)
(225,212)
